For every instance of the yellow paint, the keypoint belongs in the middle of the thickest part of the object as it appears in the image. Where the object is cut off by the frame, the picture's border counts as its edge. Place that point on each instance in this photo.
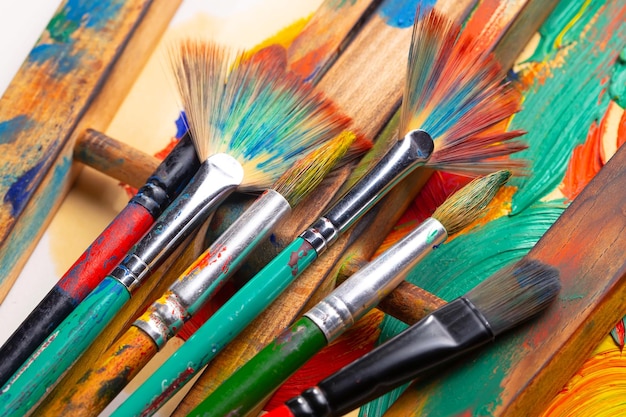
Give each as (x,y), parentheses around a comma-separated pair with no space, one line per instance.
(283,37)
(559,39)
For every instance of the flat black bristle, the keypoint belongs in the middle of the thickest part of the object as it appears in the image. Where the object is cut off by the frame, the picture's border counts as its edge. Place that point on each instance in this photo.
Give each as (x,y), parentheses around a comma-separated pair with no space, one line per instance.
(515,293)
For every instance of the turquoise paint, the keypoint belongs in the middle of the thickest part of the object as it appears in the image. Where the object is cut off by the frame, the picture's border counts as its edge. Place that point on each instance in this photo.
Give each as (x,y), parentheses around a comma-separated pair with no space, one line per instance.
(12,128)
(230,320)
(91,14)
(560,107)
(32,222)
(70,339)
(482,252)
(401,14)
(617,85)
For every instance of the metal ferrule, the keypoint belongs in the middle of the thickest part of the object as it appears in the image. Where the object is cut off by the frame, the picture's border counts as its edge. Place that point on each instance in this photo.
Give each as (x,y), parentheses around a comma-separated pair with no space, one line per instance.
(364,290)
(216,178)
(212,268)
(407,154)
(163,319)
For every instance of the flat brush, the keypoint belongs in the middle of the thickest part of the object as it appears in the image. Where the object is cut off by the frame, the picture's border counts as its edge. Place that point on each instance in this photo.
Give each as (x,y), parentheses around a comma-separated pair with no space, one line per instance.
(501,302)
(248,124)
(456,105)
(166,316)
(99,259)
(338,311)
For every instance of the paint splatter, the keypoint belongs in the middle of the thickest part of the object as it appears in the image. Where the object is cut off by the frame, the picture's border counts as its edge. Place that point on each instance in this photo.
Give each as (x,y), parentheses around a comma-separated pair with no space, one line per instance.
(569,93)
(496,244)
(401,14)
(12,128)
(19,193)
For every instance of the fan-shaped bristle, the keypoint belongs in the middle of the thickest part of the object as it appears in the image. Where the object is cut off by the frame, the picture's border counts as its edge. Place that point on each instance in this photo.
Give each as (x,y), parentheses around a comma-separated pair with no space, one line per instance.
(515,293)
(306,174)
(263,117)
(470,202)
(454,94)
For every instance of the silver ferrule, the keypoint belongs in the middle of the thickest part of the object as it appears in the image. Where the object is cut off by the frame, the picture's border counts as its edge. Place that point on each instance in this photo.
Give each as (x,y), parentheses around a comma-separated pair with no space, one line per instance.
(407,154)
(163,319)
(207,274)
(364,290)
(216,178)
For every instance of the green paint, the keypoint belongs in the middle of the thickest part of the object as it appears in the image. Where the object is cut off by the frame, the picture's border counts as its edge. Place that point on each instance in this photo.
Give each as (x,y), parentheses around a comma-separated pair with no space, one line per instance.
(230,320)
(459,266)
(617,86)
(561,106)
(64,346)
(266,371)
(60,28)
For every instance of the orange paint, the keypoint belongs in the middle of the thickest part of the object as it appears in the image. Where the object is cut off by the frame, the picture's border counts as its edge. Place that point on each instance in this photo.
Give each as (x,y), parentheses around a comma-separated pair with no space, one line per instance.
(586,161)
(598,388)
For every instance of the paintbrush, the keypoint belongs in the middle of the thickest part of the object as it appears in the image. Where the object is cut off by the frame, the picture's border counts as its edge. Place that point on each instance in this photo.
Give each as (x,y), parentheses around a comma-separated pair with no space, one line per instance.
(464,105)
(106,251)
(166,316)
(350,301)
(506,299)
(249,124)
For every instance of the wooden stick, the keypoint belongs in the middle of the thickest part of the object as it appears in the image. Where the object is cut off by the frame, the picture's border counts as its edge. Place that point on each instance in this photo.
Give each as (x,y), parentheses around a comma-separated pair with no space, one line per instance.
(116,159)
(45,104)
(366,81)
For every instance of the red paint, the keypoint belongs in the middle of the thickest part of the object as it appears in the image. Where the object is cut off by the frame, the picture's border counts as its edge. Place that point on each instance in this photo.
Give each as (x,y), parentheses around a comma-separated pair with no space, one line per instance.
(281,411)
(106,251)
(586,161)
(620,333)
(621,130)
(353,344)
(309,64)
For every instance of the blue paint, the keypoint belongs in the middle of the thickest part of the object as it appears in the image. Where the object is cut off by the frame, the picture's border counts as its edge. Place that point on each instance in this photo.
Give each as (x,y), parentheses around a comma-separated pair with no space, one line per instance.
(182,125)
(91,14)
(21,189)
(10,129)
(401,14)
(33,221)
(59,55)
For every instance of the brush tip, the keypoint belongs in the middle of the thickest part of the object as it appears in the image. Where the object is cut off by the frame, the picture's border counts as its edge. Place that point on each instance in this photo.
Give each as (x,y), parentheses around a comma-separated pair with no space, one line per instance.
(470,202)
(515,293)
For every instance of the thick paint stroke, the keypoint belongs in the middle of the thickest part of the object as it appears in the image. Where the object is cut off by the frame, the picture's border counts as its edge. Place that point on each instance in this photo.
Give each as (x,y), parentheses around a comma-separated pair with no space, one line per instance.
(12,128)
(19,192)
(17,242)
(401,14)
(483,252)
(598,389)
(617,86)
(568,92)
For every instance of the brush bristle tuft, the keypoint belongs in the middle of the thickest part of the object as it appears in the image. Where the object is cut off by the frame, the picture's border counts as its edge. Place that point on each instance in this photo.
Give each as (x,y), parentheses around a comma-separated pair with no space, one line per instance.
(470,202)
(515,293)
(259,114)
(455,93)
(306,174)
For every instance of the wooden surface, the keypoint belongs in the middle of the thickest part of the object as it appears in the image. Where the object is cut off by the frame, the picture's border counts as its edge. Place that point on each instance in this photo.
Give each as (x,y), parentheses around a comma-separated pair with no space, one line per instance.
(574,342)
(367,82)
(69,80)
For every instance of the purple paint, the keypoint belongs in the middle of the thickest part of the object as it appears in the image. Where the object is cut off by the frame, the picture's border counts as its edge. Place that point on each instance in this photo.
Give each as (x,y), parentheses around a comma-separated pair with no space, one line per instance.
(21,189)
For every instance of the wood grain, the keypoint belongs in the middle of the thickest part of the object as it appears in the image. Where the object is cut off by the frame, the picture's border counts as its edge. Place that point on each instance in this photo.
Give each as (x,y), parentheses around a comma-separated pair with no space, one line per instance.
(367,82)
(70,81)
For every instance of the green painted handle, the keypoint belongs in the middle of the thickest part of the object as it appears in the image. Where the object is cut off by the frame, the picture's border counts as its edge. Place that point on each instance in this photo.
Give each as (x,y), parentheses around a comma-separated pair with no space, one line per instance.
(70,339)
(220,329)
(269,368)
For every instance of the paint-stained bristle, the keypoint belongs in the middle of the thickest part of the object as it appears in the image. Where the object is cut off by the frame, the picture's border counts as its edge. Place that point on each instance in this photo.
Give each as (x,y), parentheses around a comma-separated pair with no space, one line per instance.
(515,293)
(263,117)
(470,202)
(306,174)
(455,93)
